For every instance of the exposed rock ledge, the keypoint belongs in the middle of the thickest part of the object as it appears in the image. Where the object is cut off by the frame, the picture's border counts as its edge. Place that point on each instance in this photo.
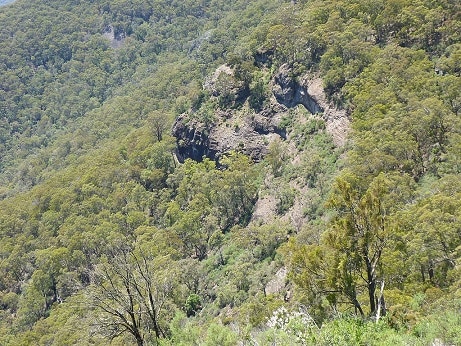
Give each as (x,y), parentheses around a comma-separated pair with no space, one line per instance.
(231,131)
(309,92)
(251,133)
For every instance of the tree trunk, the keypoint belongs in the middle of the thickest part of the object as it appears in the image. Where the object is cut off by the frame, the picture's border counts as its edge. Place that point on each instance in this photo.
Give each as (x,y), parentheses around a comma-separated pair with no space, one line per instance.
(431,271)
(371,285)
(153,316)
(381,303)
(358,307)
(139,340)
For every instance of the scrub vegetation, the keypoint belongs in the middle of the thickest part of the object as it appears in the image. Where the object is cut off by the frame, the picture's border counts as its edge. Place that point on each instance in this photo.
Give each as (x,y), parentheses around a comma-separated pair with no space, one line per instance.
(106,238)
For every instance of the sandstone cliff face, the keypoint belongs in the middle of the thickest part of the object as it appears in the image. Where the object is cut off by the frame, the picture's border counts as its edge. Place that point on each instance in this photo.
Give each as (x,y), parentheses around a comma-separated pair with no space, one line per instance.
(309,92)
(251,132)
(336,119)
(289,92)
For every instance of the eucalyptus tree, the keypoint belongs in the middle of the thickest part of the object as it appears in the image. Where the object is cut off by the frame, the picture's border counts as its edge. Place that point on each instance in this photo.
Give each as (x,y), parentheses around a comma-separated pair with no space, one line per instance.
(131,290)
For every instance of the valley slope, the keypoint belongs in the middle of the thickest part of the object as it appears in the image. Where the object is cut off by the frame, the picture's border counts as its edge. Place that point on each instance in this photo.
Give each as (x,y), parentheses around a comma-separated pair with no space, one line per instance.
(212,173)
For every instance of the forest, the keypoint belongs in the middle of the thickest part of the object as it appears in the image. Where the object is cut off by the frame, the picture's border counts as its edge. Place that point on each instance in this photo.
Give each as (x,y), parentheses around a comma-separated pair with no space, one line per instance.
(248,172)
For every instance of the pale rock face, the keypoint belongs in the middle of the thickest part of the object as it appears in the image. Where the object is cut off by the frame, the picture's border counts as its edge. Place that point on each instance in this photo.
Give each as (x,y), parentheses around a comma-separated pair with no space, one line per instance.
(278,283)
(336,120)
(309,92)
(289,92)
(250,135)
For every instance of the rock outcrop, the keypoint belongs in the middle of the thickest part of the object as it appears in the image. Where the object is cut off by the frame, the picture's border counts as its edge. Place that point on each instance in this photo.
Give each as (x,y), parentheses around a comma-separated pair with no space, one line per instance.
(231,131)
(193,140)
(289,92)
(309,92)
(250,132)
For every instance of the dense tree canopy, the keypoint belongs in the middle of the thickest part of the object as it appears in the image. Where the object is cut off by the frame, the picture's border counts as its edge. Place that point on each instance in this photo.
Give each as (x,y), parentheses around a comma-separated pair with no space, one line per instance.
(106,238)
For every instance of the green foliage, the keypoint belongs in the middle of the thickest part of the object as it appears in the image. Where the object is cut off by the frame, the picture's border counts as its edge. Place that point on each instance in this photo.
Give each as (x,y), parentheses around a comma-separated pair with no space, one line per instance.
(360,234)
(130,290)
(285,200)
(198,210)
(103,231)
(258,89)
(186,332)
(220,335)
(276,157)
(442,325)
(193,305)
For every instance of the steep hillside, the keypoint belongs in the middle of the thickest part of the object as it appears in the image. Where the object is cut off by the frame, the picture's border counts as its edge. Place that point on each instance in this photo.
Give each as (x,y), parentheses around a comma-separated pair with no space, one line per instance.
(230,173)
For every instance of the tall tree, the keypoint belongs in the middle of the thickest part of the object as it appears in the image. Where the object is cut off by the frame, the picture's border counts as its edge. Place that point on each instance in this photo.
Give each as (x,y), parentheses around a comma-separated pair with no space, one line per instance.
(130,289)
(349,256)
(362,229)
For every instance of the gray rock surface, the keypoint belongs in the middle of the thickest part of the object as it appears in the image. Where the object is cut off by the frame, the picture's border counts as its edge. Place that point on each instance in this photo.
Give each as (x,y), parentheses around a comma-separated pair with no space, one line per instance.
(309,92)
(249,132)
(289,92)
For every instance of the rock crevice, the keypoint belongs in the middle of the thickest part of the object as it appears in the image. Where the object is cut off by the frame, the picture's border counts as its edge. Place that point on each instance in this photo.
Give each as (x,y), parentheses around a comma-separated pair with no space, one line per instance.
(290,93)
(310,93)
